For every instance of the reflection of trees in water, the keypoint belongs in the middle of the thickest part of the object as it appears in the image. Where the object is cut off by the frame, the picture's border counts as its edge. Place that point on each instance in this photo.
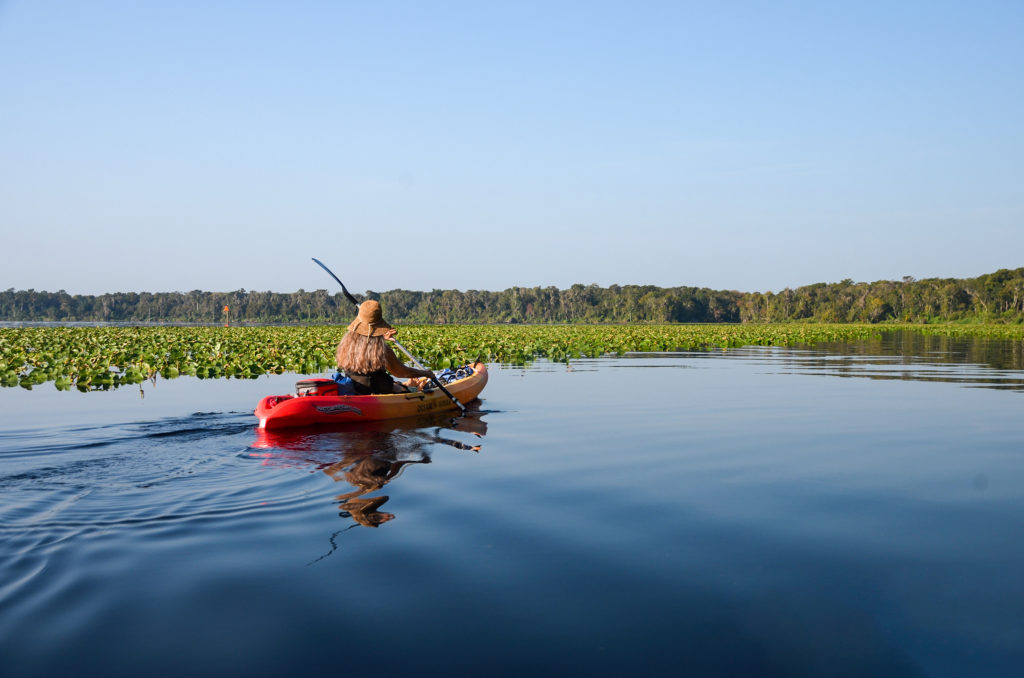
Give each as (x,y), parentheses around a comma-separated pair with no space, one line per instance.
(910,356)
(999,354)
(369,455)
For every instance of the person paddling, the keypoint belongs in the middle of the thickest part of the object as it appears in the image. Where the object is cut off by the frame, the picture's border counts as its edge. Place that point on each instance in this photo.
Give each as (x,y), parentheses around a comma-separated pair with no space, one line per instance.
(367,360)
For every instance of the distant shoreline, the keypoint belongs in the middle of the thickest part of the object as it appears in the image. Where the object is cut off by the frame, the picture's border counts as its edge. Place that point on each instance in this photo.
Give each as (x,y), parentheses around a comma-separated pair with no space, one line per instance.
(996,297)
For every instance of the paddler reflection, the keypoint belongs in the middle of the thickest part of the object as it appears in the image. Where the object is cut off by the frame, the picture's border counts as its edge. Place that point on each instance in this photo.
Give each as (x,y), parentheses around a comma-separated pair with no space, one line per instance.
(369,456)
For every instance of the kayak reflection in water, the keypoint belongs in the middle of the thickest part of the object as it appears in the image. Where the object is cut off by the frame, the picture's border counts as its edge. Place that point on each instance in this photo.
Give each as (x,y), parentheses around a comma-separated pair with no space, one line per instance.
(367,456)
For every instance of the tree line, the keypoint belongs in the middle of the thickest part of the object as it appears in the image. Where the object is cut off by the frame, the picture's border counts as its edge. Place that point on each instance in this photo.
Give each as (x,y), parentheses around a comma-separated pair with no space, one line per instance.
(994,297)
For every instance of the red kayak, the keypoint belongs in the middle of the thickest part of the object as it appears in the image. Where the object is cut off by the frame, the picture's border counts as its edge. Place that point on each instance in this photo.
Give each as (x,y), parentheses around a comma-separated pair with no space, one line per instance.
(314,404)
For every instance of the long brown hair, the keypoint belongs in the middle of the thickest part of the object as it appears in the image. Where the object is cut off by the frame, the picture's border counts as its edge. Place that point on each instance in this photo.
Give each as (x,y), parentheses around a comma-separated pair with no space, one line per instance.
(360,354)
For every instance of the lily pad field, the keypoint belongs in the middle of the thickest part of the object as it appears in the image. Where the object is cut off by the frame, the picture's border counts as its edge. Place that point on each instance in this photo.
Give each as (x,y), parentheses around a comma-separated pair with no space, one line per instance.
(100,358)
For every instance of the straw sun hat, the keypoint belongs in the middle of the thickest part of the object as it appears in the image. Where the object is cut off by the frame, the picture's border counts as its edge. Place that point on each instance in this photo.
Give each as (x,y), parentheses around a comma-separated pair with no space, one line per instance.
(369,322)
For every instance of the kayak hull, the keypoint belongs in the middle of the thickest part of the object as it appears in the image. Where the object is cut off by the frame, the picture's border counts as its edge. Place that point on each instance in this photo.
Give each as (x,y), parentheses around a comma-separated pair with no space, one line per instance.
(288,411)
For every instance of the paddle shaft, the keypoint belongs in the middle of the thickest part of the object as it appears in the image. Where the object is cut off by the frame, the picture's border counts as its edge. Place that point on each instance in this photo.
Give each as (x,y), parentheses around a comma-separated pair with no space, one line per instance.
(433,377)
(406,352)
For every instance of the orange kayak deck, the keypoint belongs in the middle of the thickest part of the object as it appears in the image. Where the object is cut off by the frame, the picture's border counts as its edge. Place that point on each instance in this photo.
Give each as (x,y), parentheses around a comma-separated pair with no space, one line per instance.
(284,411)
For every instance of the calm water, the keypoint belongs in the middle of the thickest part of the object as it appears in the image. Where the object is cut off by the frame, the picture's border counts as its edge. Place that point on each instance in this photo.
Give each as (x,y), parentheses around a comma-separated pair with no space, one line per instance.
(853,510)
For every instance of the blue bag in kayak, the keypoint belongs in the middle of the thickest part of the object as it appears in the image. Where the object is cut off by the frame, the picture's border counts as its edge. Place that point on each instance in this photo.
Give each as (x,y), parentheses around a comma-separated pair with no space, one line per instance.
(344,383)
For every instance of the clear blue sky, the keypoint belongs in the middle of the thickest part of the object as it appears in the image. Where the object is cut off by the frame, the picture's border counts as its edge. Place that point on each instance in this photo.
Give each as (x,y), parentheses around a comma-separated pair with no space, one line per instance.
(160,146)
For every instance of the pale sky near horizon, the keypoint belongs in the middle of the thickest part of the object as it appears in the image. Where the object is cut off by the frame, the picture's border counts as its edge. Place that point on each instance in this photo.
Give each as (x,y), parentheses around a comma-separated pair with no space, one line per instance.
(161,146)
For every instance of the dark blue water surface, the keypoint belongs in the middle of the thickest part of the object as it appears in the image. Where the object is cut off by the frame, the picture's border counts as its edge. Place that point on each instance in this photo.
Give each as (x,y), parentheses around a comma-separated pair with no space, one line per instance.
(854,510)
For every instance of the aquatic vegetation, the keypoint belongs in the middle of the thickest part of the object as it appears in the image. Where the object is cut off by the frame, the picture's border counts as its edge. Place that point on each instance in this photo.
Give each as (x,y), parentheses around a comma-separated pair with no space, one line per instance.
(90,358)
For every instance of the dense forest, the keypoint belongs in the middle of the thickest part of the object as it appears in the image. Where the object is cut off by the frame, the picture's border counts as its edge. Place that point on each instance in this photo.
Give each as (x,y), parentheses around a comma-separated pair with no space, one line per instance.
(995,297)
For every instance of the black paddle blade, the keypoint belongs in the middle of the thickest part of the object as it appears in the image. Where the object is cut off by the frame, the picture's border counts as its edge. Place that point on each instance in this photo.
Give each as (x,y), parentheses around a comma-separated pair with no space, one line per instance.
(343,289)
